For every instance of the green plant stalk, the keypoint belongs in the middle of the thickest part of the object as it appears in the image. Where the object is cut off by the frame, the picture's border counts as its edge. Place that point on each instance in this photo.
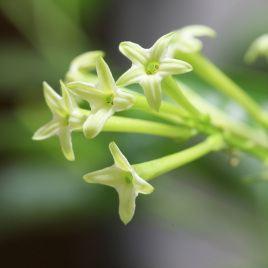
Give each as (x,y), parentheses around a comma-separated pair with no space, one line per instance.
(236,135)
(173,90)
(151,169)
(222,121)
(131,125)
(167,110)
(245,145)
(215,77)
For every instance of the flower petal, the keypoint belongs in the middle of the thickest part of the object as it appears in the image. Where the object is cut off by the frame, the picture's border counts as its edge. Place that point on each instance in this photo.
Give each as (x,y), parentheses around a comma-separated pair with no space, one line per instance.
(66,143)
(110,176)
(69,101)
(134,52)
(152,90)
(131,76)
(189,45)
(53,100)
(123,101)
(257,49)
(127,199)
(77,119)
(95,122)
(86,61)
(88,92)
(119,159)
(160,47)
(173,66)
(198,30)
(48,130)
(141,185)
(186,41)
(106,80)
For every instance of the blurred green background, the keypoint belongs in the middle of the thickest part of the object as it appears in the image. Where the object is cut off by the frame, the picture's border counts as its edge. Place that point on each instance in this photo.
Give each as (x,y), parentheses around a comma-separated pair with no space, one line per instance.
(207,214)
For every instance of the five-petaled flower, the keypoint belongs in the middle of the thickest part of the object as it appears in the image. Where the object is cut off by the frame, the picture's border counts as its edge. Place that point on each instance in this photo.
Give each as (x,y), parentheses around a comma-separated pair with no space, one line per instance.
(66,118)
(257,49)
(105,99)
(150,66)
(124,179)
(185,39)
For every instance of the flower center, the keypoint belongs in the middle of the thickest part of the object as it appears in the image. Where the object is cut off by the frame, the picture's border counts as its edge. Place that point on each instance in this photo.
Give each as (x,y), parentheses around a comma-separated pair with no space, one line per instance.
(128,178)
(152,67)
(65,120)
(110,99)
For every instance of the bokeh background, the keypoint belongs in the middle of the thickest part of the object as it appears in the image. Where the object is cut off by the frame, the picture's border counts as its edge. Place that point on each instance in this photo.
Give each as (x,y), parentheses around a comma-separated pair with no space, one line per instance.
(207,214)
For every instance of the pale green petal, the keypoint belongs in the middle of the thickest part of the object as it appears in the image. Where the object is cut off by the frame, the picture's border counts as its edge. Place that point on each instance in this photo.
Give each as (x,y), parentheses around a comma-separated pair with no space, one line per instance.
(127,198)
(95,122)
(88,92)
(173,66)
(141,185)
(81,76)
(48,130)
(131,76)
(152,90)
(66,143)
(198,31)
(110,176)
(77,119)
(119,159)
(86,61)
(53,100)
(123,101)
(134,52)
(105,77)
(160,47)
(257,49)
(186,41)
(190,45)
(251,55)
(69,101)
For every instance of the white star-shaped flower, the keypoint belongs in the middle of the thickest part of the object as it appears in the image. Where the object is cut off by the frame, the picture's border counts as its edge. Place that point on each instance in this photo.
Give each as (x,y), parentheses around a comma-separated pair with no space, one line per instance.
(66,118)
(150,66)
(186,40)
(105,99)
(124,179)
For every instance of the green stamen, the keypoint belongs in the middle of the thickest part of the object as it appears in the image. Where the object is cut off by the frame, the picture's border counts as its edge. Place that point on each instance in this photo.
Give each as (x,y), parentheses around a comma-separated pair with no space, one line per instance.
(129,178)
(109,99)
(152,67)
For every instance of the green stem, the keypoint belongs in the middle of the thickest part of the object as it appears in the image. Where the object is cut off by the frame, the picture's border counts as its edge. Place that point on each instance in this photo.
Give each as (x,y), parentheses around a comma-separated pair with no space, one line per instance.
(157,167)
(131,125)
(222,121)
(167,111)
(172,88)
(214,76)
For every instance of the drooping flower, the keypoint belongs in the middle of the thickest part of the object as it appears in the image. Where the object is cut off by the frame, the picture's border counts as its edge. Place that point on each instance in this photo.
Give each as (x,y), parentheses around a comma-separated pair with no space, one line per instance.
(150,66)
(105,99)
(259,48)
(66,118)
(185,39)
(124,179)
(82,65)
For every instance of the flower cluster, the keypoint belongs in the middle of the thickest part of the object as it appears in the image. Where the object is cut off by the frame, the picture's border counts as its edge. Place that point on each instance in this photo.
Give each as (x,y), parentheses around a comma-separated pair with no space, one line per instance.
(153,69)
